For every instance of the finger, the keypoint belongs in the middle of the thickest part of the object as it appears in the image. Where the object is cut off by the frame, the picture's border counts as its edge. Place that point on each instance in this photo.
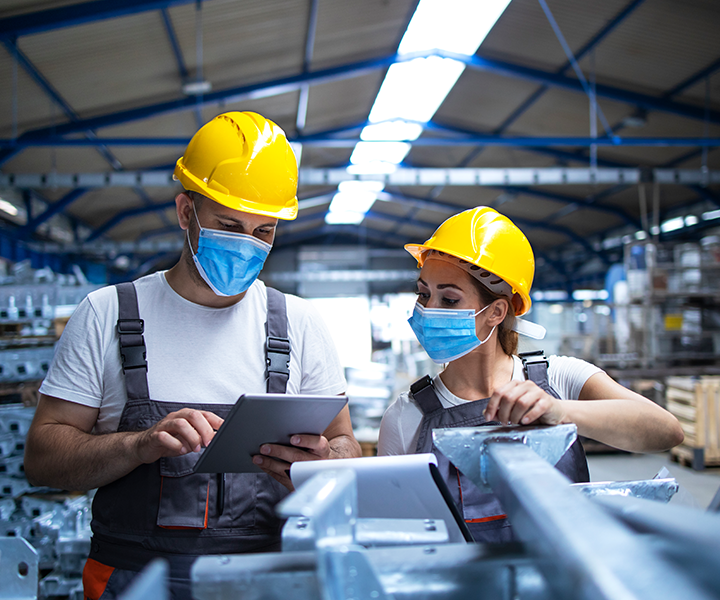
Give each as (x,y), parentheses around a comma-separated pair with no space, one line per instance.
(288,454)
(316,444)
(184,431)
(491,411)
(271,465)
(214,421)
(161,443)
(522,406)
(202,422)
(283,479)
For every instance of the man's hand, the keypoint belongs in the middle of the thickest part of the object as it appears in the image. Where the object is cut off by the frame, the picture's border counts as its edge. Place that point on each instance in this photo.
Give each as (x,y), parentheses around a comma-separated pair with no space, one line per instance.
(180,432)
(524,402)
(276,459)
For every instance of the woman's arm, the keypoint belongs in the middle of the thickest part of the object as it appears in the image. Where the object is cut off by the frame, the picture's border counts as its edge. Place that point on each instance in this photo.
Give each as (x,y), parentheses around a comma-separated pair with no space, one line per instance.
(606,412)
(617,416)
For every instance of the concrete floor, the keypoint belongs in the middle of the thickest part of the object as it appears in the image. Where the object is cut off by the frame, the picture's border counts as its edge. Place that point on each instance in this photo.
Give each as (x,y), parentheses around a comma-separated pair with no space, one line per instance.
(697,488)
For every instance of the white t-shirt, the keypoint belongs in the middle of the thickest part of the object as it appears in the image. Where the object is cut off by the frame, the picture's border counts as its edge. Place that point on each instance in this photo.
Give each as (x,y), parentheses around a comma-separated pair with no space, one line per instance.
(400,426)
(195,354)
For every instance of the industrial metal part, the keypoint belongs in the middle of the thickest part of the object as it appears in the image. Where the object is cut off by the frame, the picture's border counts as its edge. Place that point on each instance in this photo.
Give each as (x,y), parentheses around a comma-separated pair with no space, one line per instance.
(583,552)
(570,547)
(323,512)
(660,490)
(685,536)
(18,569)
(467,446)
(401,177)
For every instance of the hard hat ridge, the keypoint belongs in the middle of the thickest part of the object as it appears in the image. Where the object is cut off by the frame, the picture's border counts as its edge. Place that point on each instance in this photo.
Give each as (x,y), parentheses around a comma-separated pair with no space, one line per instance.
(243,161)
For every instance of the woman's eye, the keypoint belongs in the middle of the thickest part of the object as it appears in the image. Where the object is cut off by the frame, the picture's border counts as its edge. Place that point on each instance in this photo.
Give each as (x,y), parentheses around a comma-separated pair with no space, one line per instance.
(450,301)
(420,294)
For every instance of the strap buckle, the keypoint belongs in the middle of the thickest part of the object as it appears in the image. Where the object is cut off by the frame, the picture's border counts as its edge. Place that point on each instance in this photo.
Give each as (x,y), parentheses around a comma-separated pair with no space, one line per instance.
(130,326)
(278,355)
(421,384)
(133,357)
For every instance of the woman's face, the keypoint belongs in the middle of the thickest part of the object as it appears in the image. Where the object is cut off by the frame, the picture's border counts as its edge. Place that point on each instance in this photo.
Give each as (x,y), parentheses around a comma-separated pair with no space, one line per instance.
(443,285)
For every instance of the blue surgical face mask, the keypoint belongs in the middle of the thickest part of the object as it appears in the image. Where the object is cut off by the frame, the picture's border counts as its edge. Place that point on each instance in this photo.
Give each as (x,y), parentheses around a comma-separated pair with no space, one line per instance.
(228,262)
(446,334)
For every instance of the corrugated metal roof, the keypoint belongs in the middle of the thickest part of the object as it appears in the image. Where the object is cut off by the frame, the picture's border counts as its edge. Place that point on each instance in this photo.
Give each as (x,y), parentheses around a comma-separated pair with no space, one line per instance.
(108,66)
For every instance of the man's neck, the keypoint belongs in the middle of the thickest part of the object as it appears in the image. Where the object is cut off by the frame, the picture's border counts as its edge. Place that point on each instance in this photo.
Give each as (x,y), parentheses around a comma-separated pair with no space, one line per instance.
(190,286)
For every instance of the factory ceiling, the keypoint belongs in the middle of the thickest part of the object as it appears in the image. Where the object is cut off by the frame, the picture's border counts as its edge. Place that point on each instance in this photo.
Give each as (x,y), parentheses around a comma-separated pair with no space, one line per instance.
(112,87)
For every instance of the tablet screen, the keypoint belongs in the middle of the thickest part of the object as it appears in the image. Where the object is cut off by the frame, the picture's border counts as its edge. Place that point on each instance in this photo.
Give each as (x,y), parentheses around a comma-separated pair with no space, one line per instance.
(265,419)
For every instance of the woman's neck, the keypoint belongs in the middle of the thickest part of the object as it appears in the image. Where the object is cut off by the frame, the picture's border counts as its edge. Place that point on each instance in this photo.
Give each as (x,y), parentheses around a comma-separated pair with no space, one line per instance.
(478,374)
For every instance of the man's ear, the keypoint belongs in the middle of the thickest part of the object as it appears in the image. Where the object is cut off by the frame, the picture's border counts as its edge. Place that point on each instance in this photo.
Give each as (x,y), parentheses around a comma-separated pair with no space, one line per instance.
(184,208)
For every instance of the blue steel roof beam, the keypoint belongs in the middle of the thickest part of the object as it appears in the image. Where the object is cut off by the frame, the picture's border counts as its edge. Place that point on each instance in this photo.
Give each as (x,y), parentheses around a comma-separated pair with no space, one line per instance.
(78,14)
(142,194)
(602,91)
(589,46)
(179,60)
(693,79)
(258,90)
(332,142)
(126,214)
(55,208)
(420,203)
(294,82)
(326,230)
(54,95)
(301,115)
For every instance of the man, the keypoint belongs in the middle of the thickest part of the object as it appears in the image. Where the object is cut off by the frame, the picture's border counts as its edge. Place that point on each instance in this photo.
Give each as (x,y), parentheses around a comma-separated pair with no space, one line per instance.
(144,373)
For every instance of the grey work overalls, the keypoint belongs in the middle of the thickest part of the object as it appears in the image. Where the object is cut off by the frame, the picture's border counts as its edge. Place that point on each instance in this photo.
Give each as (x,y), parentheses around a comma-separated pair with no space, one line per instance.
(483,513)
(163,509)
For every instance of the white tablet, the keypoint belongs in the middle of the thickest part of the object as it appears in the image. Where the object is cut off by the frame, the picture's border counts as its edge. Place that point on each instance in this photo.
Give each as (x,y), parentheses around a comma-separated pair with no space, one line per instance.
(265,419)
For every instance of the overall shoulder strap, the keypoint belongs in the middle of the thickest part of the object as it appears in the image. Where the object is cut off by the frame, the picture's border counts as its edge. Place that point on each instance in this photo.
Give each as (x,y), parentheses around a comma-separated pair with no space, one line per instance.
(130,329)
(277,346)
(424,394)
(535,366)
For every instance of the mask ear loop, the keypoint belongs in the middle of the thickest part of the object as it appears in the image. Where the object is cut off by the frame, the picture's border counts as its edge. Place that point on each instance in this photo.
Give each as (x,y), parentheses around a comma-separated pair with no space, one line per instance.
(494,326)
(187,231)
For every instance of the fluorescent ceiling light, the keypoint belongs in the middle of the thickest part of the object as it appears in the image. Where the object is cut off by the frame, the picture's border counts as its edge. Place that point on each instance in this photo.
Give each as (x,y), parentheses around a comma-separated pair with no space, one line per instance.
(710,215)
(344,218)
(8,208)
(691,220)
(640,235)
(672,224)
(414,90)
(590,295)
(354,185)
(356,201)
(454,25)
(391,130)
(391,152)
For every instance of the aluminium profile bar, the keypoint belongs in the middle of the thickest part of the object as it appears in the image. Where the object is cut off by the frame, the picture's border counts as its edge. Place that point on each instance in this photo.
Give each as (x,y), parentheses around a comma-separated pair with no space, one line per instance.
(328,141)
(583,551)
(401,177)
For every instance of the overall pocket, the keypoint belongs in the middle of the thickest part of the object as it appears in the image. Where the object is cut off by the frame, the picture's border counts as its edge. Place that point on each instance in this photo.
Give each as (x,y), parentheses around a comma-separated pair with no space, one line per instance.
(184,495)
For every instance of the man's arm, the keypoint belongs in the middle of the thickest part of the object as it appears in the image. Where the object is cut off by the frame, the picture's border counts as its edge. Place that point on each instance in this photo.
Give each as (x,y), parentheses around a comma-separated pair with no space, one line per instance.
(61,451)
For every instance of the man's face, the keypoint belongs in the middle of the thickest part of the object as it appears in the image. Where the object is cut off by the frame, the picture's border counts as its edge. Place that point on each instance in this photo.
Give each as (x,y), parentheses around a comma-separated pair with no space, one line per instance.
(212,215)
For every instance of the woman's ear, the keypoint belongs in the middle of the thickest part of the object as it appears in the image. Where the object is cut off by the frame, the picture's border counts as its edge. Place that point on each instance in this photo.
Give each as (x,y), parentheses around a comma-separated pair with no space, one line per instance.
(498,311)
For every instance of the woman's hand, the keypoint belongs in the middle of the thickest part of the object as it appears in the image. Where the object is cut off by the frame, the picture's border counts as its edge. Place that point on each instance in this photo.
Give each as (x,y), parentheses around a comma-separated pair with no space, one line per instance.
(524,402)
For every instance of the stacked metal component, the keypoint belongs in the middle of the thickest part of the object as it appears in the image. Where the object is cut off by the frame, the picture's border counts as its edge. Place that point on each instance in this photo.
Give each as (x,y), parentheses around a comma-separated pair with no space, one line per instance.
(570,546)
(56,526)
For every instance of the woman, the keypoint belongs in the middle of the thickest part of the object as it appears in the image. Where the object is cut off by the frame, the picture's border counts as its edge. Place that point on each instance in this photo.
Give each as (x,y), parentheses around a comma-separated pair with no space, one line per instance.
(477,270)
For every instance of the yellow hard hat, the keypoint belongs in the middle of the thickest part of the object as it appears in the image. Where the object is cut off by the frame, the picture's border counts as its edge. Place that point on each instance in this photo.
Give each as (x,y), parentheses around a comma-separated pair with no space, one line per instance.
(243,161)
(483,237)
